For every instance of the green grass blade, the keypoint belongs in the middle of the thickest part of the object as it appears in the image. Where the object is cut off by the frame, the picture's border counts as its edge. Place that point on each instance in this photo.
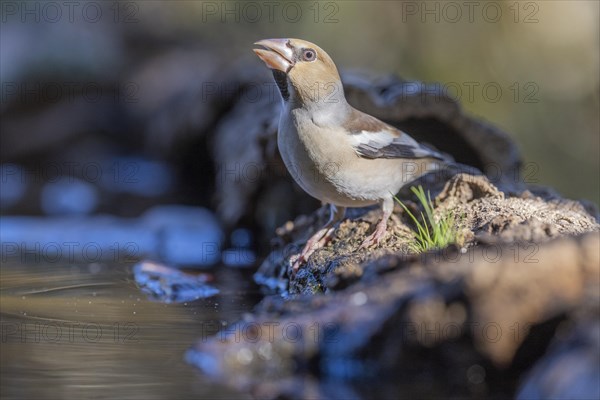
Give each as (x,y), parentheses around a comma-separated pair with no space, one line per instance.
(430,233)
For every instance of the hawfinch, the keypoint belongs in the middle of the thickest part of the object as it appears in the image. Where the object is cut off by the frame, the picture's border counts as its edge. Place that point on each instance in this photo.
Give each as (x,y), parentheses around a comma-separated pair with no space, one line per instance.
(336,153)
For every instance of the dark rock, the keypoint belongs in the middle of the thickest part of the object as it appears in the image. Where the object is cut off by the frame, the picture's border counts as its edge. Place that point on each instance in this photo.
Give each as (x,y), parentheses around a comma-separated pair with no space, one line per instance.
(445,325)
(465,321)
(571,367)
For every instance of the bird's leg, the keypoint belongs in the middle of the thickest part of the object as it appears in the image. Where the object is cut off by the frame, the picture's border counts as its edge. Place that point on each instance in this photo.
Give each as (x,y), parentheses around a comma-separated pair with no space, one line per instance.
(381,228)
(321,237)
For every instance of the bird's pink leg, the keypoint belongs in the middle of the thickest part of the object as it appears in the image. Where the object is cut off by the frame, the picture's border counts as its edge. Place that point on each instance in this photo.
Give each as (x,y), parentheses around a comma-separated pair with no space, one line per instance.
(381,228)
(321,237)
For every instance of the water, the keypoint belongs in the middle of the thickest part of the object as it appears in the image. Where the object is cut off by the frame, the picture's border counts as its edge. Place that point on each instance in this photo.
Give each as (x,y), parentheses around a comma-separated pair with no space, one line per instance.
(87,331)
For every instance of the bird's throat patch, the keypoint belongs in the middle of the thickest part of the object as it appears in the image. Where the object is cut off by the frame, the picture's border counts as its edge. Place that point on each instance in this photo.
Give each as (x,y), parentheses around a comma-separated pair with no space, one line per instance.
(281,81)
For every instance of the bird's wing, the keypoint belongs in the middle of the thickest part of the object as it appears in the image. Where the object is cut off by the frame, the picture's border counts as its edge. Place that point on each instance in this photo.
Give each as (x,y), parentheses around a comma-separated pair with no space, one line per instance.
(372,138)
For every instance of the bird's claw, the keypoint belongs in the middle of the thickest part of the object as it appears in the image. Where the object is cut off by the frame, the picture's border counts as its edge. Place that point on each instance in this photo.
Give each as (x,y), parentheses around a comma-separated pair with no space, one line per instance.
(375,238)
(317,241)
(296,262)
(367,243)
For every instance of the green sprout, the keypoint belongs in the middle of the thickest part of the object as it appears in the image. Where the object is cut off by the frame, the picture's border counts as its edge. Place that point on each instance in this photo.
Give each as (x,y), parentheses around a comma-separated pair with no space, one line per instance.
(431,232)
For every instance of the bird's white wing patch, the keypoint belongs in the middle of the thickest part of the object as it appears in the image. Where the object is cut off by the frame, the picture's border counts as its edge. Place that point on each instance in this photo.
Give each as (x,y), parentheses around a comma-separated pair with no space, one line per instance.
(378,139)
(390,144)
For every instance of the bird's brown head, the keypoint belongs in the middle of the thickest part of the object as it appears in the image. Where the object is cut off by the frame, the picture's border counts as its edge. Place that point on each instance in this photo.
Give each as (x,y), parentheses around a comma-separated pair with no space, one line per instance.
(303,71)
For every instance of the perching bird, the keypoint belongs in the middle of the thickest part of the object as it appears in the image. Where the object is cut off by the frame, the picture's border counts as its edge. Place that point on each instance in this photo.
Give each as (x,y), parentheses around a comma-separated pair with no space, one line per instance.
(337,154)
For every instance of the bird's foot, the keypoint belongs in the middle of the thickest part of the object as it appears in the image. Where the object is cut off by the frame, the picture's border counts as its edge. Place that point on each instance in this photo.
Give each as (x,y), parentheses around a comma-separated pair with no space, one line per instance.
(317,241)
(376,237)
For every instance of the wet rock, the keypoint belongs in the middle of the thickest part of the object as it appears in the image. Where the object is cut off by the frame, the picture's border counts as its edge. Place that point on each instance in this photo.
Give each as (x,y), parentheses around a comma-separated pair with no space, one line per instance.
(171,285)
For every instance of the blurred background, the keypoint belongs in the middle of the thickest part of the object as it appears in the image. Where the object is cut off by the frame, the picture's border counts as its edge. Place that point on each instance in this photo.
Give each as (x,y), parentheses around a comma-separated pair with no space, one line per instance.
(114,102)
(112,132)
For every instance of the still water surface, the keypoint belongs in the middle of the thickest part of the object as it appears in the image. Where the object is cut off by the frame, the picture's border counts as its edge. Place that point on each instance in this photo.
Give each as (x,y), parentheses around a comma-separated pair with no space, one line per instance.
(87,331)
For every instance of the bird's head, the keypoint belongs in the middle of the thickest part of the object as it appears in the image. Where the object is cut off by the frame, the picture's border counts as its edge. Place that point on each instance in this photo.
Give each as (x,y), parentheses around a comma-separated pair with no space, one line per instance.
(302,70)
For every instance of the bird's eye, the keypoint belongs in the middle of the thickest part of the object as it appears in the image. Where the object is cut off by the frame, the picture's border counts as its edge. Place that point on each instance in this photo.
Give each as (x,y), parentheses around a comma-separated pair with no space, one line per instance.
(309,55)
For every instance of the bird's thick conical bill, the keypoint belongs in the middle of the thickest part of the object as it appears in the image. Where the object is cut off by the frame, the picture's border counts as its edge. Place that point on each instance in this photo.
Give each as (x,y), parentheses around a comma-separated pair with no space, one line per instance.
(276,54)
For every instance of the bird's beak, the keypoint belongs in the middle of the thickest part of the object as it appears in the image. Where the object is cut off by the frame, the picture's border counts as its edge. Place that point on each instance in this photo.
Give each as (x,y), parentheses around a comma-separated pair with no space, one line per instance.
(277,54)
